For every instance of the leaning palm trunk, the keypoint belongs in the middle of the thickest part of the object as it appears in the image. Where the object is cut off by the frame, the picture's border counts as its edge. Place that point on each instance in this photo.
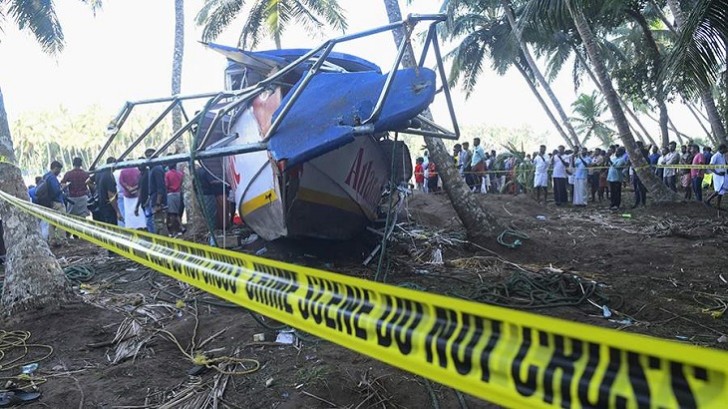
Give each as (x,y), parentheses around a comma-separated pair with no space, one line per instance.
(543,103)
(657,61)
(622,102)
(699,116)
(478,224)
(660,192)
(714,118)
(33,277)
(537,73)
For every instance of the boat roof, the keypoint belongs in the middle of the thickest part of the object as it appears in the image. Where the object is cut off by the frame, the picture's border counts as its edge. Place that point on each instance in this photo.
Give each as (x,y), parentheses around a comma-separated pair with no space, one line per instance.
(327,112)
(268,59)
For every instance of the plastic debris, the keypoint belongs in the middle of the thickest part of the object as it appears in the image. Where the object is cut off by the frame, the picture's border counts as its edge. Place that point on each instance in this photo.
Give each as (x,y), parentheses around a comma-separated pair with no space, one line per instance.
(723,339)
(437,257)
(622,322)
(261,251)
(249,240)
(626,215)
(29,369)
(269,382)
(259,337)
(682,337)
(541,217)
(606,312)
(286,337)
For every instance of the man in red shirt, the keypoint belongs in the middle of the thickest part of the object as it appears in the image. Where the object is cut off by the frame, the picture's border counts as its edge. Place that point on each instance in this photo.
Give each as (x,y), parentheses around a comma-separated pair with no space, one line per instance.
(77,200)
(173,181)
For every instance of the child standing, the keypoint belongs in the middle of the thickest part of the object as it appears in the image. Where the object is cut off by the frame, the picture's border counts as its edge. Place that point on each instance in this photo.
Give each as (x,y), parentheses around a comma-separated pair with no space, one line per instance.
(419,174)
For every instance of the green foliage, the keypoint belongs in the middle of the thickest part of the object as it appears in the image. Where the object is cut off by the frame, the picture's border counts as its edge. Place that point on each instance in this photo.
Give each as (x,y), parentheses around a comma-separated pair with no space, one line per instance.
(499,137)
(43,136)
(587,113)
(271,16)
(700,54)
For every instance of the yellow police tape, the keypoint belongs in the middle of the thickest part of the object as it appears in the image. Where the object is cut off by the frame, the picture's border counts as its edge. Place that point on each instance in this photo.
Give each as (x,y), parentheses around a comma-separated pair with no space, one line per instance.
(509,357)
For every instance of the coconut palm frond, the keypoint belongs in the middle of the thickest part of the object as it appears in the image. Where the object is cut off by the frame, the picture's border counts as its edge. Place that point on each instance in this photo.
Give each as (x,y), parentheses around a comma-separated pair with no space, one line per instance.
(216,16)
(700,52)
(39,17)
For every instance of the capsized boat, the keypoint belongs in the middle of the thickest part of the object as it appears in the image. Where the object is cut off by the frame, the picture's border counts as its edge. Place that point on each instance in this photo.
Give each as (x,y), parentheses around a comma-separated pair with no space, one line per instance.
(304,137)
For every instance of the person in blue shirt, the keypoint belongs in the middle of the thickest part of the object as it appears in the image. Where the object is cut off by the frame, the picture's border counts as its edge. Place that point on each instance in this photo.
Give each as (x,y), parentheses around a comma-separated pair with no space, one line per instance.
(615,176)
(58,201)
(581,162)
(653,158)
(32,188)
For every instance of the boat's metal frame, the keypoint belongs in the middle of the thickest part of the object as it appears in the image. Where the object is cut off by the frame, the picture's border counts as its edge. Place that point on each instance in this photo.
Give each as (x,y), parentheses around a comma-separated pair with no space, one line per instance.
(234,99)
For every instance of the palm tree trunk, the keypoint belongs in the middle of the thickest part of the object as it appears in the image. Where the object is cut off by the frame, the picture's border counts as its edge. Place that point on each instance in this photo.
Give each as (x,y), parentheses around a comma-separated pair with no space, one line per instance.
(179,45)
(714,118)
(697,115)
(657,62)
(543,103)
(33,277)
(7,154)
(537,73)
(716,123)
(622,102)
(660,192)
(478,224)
(195,220)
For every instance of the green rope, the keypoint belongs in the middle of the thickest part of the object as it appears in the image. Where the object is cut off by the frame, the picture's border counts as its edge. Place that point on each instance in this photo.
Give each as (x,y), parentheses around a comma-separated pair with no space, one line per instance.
(79,274)
(504,239)
(528,291)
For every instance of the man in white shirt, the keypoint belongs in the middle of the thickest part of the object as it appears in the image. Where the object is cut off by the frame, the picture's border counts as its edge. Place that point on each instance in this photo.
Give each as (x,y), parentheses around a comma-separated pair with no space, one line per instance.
(670,174)
(477,164)
(561,162)
(541,175)
(719,175)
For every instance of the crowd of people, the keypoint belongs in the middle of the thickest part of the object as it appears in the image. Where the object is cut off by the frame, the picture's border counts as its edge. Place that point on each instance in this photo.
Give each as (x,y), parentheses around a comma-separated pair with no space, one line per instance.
(142,198)
(582,175)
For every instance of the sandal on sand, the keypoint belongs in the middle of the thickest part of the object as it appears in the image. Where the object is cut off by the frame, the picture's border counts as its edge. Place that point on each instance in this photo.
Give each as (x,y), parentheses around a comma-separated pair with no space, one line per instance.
(14,397)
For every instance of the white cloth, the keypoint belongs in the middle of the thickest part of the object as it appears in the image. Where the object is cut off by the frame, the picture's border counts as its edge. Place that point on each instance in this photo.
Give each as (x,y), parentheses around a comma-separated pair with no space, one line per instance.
(580,191)
(130,220)
(719,181)
(119,195)
(541,177)
(559,167)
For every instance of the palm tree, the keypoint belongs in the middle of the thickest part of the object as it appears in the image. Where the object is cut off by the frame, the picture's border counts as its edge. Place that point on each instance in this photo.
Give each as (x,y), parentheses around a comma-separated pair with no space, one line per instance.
(658,190)
(272,16)
(478,224)
(510,14)
(195,220)
(700,53)
(587,111)
(177,57)
(481,34)
(33,278)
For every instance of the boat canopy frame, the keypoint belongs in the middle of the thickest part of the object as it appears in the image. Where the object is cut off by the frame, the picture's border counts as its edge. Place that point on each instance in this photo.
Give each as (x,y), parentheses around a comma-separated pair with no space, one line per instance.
(235,98)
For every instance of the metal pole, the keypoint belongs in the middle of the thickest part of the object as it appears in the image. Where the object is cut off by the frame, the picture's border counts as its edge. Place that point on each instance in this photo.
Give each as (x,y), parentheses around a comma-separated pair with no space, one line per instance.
(309,76)
(206,154)
(146,132)
(390,77)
